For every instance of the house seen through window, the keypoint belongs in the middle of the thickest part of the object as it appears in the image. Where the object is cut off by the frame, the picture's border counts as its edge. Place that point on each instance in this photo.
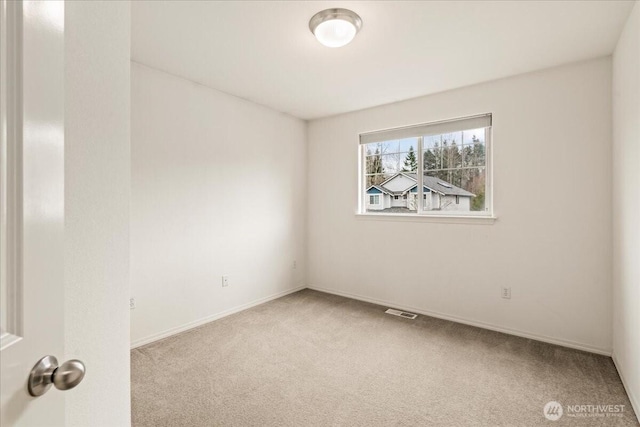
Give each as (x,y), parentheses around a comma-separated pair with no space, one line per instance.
(446,165)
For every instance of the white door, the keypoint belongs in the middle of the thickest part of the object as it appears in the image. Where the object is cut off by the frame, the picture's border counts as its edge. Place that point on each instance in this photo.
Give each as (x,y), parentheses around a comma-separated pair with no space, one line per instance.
(32,199)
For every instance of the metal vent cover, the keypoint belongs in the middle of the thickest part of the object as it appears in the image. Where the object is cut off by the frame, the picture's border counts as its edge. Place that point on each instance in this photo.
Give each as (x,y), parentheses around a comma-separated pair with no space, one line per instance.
(401,313)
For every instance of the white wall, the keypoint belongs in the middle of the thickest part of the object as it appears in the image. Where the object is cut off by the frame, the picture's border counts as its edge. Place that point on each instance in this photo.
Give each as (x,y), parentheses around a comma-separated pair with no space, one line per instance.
(218,188)
(626,206)
(97,186)
(551,138)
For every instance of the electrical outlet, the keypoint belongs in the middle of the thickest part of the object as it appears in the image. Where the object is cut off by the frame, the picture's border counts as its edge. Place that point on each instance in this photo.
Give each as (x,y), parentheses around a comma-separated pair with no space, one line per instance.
(132,303)
(506,292)
(225,281)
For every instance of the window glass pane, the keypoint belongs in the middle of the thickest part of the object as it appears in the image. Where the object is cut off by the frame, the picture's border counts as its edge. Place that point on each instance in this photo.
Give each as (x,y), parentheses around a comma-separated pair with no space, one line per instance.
(454,168)
(474,135)
(408,144)
(432,141)
(464,188)
(386,147)
(432,158)
(373,164)
(474,155)
(375,179)
(392,163)
(410,160)
(475,182)
(372,149)
(445,157)
(453,165)
(451,156)
(450,139)
(479,155)
(473,151)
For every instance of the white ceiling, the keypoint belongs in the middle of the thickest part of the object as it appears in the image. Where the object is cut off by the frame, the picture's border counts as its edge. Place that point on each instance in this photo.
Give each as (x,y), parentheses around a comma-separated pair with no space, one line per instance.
(263,51)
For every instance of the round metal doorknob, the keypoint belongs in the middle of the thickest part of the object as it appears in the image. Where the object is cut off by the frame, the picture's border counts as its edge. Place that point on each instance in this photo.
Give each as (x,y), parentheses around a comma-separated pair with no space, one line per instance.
(68,375)
(47,372)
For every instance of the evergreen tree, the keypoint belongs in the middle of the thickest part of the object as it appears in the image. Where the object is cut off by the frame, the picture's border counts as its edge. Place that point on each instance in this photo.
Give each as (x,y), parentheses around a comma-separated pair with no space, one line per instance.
(410,162)
(429,160)
(479,154)
(477,187)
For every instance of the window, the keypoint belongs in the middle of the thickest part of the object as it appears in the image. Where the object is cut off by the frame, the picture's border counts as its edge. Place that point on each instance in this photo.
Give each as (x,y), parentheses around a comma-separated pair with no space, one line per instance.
(446,165)
(374,199)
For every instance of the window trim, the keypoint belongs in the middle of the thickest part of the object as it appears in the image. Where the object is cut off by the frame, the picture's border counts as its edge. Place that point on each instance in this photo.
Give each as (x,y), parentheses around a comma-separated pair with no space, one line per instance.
(441,219)
(460,216)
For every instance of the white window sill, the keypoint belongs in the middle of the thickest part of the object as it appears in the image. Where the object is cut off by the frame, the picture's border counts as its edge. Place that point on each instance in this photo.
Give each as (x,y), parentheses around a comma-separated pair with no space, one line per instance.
(443,219)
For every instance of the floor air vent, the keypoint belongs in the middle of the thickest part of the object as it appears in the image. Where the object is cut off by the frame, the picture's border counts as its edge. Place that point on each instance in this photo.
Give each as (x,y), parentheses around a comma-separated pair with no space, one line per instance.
(401,313)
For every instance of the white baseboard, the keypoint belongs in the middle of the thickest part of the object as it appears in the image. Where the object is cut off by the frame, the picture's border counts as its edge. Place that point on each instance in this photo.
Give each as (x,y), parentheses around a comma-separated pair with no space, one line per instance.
(635,403)
(200,322)
(543,338)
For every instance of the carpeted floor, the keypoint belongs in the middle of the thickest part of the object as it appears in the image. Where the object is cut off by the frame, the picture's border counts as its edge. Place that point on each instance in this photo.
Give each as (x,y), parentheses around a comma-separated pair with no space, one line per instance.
(314,359)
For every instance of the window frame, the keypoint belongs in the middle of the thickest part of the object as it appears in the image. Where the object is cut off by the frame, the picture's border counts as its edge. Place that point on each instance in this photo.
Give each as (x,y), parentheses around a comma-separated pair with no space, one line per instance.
(487,214)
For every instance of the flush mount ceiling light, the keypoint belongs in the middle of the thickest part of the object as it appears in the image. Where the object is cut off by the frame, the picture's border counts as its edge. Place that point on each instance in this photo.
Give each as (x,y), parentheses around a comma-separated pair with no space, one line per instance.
(335,27)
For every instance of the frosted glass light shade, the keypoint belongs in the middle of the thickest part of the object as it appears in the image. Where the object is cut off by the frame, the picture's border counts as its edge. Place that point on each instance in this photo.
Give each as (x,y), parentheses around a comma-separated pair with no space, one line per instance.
(335,33)
(335,27)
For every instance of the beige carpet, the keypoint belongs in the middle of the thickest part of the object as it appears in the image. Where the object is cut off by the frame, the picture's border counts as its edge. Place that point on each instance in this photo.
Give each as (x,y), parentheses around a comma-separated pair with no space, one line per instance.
(313,359)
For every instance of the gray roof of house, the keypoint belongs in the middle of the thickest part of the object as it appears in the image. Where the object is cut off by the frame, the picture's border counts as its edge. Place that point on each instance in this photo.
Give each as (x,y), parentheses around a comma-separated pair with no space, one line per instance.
(435,184)
(386,190)
(380,188)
